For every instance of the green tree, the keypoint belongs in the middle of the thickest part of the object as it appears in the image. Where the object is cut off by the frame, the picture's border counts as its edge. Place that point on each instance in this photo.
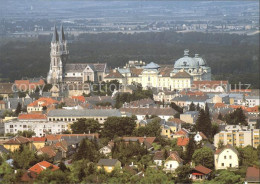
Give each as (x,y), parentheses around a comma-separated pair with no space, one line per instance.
(204,156)
(26,133)
(24,157)
(118,126)
(7,173)
(198,107)
(192,107)
(214,129)
(85,126)
(176,107)
(152,129)
(203,123)
(55,177)
(182,173)
(248,156)
(18,109)
(190,148)
(220,117)
(226,176)
(236,117)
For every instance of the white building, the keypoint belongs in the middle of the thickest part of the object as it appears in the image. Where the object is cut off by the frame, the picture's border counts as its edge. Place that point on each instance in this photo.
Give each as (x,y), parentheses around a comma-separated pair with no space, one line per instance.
(252,101)
(226,158)
(37,123)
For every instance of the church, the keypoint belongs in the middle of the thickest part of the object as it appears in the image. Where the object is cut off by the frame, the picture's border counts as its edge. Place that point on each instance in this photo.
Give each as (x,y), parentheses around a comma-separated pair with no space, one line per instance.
(178,76)
(62,72)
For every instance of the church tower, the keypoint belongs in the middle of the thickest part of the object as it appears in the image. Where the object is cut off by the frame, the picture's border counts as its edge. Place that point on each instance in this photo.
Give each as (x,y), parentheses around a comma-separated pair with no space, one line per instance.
(59,56)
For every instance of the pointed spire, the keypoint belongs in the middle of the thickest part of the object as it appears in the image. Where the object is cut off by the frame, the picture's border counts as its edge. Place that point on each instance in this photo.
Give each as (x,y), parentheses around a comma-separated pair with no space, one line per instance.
(55,36)
(62,37)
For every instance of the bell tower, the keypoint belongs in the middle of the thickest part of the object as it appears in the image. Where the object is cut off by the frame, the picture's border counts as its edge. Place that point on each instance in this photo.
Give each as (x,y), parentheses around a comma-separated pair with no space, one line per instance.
(59,56)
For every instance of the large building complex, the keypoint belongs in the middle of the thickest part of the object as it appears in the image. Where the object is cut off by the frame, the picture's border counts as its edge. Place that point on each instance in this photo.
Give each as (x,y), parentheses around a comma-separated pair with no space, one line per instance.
(178,76)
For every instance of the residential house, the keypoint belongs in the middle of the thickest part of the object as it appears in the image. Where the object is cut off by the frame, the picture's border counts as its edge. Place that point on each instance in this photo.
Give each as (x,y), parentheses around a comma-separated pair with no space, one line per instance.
(165,96)
(14,143)
(41,166)
(77,89)
(189,117)
(146,141)
(3,150)
(172,162)
(159,158)
(7,89)
(109,164)
(200,173)
(252,175)
(181,133)
(200,137)
(37,106)
(226,157)
(183,142)
(143,103)
(106,150)
(29,84)
(115,75)
(38,142)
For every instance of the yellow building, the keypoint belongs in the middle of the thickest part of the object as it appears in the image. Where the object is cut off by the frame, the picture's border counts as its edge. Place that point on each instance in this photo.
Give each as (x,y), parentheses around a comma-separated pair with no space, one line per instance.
(14,143)
(238,138)
(109,164)
(38,142)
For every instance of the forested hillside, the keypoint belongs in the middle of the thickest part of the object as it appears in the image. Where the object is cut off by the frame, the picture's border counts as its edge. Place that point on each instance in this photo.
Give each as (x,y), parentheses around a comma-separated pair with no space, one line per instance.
(233,57)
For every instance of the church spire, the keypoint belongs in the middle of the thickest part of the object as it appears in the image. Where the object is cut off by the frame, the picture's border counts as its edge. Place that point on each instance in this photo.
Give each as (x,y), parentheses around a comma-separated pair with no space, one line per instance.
(62,35)
(55,36)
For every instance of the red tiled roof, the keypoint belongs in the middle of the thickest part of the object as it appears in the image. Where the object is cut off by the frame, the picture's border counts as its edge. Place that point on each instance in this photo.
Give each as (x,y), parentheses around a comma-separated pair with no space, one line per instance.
(136,71)
(46,102)
(41,166)
(31,116)
(208,84)
(182,74)
(252,109)
(192,93)
(141,139)
(80,98)
(253,174)
(219,105)
(27,85)
(49,150)
(18,140)
(28,176)
(38,139)
(182,141)
(174,156)
(182,132)
(237,106)
(202,169)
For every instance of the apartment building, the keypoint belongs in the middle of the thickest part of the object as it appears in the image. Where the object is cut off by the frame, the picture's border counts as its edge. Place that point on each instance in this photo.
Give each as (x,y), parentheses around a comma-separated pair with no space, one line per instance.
(238,138)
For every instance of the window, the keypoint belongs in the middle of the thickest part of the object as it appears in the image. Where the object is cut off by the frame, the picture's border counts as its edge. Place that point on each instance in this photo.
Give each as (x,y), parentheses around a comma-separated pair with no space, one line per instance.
(225,157)
(230,165)
(230,156)
(100,78)
(11,126)
(222,164)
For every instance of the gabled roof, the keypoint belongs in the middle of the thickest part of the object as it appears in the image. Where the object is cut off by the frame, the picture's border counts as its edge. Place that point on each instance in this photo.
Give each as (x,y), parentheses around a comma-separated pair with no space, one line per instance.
(41,166)
(45,102)
(158,155)
(182,141)
(174,156)
(176,120)
(228,146)
(253,174)
(114,74)
(38,139)
(18,140)
(49,150)
(202,169)
(3,149)
(182,74)
(6,88)
(135,72)
(107,162)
